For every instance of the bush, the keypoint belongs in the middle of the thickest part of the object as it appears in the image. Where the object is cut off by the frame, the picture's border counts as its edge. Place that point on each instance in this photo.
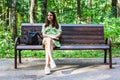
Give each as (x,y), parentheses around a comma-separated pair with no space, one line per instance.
(112,29)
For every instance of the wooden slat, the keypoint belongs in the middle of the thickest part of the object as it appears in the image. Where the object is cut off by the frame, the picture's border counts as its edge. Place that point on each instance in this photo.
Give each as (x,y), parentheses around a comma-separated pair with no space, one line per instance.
(82,41)
(64,25)
(84,47)
(82,28)
(82,32)
(98,37)
(64,47)
(82,37)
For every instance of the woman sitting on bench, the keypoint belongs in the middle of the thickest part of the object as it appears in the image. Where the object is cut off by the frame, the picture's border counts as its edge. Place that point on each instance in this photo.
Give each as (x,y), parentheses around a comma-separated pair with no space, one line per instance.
(51,32)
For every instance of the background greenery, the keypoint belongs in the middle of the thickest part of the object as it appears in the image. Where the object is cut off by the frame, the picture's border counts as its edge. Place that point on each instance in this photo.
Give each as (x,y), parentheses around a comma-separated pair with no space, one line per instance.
(66,11)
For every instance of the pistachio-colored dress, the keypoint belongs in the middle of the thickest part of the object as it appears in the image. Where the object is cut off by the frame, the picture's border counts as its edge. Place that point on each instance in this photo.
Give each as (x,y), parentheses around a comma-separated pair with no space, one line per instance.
(52,31)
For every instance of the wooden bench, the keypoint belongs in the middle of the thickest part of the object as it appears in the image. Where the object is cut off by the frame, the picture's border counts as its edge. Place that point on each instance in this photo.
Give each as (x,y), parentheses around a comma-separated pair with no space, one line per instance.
(74,37)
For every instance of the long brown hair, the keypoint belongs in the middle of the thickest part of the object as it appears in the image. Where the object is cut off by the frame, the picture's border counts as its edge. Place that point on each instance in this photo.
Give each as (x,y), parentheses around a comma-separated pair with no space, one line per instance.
(54,21)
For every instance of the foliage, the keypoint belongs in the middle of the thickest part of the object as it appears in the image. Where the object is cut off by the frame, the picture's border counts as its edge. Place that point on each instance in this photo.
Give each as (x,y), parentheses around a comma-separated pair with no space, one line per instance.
(66,10)
(112,29)
(6,44)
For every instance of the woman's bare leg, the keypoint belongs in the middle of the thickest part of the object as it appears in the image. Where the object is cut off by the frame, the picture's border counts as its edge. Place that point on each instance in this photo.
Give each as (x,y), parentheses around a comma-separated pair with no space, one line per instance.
(47,58)
(49,49)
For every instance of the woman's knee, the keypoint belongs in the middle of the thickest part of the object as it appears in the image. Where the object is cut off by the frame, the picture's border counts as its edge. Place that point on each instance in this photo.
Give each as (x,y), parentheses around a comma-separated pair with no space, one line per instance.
(48,40)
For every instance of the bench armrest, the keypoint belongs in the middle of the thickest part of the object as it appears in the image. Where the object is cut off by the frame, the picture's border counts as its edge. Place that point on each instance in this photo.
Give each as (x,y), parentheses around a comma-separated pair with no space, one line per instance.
(17,41)
(108,42)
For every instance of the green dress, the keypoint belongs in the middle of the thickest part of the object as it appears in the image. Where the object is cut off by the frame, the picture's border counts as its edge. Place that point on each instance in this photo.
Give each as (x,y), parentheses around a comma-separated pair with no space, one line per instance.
(52,31)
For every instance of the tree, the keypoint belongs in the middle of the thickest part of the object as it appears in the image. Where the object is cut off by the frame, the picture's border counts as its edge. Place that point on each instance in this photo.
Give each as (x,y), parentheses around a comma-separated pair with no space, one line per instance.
(4,12)
(13,22)
(90,3)
(78,11)
(89,6)
(114,8)
(119,8)
(44,10)
(33,11)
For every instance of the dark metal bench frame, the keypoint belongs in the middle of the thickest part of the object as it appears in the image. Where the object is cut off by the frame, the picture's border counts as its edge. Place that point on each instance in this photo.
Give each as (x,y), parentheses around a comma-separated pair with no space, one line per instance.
(102,44)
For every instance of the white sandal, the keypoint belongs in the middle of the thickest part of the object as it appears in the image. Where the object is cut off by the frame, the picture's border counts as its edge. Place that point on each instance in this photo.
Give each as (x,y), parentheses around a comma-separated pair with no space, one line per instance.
(52,64)
(47,70)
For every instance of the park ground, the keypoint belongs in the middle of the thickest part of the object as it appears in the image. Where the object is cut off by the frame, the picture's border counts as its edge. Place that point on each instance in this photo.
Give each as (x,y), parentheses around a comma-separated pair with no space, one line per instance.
(67,69)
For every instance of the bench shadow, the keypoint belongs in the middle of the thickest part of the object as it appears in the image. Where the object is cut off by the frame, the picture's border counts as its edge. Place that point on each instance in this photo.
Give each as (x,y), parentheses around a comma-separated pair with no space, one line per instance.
(65,68)
(72,67)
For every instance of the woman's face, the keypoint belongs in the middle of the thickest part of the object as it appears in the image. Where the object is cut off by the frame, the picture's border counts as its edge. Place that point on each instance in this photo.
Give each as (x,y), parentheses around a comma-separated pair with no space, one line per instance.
(50,16)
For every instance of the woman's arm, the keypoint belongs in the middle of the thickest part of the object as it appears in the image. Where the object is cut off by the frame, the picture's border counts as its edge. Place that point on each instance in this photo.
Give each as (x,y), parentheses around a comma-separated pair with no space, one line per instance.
(59,33)
(57,36)
(45,35)
(43,32)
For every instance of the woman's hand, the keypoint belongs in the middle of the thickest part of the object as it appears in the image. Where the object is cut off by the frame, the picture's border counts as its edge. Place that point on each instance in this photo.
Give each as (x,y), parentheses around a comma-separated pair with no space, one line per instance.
(45,35)
(54,37)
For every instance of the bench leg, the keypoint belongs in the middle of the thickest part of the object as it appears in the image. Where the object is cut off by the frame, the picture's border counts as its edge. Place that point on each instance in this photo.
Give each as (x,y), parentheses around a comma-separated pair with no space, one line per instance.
(20,56)
(15,59)
(105,56)
(110,58)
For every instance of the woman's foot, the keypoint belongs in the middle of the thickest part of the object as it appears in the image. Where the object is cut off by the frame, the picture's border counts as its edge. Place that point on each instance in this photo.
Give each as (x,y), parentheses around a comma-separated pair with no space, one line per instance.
(52,64)
(47,70)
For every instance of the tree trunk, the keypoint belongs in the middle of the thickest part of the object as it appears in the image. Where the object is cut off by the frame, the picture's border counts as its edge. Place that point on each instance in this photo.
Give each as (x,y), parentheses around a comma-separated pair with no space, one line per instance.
(32,11)
(44,10)
(7,21)
(89,6)
(78,11)
(35,10)
(119,8)
(10,17)
(90,3)
(13,22)
(0,10)
(7,14)
(114,8)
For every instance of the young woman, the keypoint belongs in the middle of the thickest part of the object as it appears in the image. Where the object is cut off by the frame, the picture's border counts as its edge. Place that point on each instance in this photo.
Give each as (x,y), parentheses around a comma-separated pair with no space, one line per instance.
(51,32)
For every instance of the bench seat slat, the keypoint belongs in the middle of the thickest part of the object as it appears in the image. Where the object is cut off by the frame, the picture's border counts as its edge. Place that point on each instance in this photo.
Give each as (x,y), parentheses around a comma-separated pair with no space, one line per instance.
(85,47)
(29,47)
(63,47)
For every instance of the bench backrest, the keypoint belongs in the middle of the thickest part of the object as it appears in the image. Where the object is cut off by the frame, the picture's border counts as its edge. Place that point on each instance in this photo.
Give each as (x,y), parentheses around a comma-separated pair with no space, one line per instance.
(72,33)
